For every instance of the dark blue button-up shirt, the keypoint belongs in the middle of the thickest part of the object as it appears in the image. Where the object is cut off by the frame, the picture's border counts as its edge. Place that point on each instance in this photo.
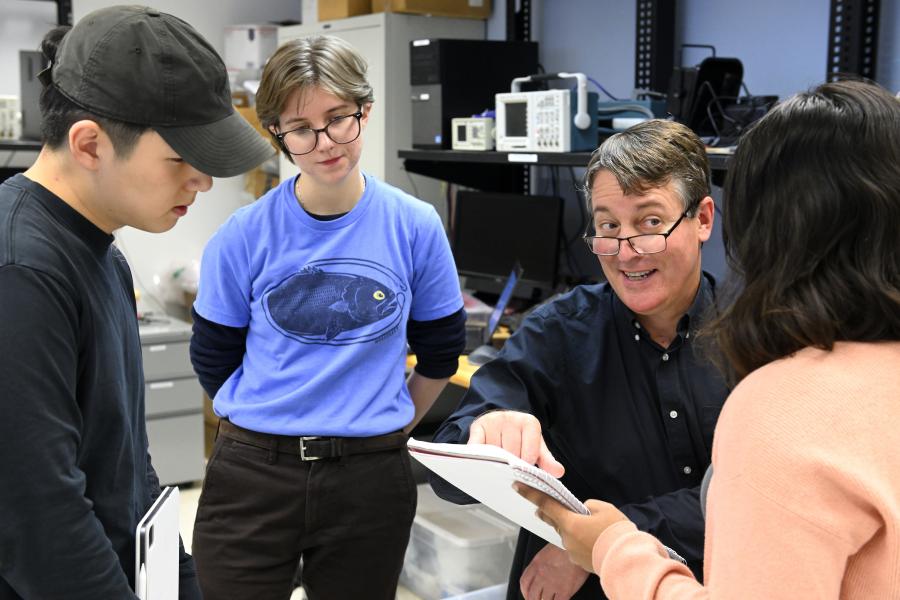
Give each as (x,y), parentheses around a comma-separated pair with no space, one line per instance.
(631,421)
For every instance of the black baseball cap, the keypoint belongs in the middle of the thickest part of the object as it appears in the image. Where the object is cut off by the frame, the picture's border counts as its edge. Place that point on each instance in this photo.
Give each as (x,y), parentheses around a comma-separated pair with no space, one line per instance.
(145,67)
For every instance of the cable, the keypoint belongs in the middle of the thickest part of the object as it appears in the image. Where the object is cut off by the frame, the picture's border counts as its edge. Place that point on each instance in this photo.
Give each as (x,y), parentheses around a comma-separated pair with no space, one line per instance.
(637,93)
(602,89)
(567,241)
(624,107)
(582,209)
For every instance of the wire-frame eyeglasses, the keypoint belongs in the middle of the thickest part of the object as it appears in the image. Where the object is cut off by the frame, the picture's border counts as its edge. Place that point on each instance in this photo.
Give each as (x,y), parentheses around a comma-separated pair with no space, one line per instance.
(303,140)
(645,243)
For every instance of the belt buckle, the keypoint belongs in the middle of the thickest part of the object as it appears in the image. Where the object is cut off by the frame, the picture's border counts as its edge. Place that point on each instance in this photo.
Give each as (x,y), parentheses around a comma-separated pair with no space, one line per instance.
(303,440)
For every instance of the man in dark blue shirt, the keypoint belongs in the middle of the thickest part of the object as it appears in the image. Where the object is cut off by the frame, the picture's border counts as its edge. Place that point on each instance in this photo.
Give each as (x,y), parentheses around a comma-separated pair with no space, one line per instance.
(604,386)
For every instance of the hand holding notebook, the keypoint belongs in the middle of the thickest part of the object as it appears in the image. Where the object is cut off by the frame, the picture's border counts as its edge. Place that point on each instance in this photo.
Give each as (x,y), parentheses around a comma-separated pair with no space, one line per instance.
(487,473)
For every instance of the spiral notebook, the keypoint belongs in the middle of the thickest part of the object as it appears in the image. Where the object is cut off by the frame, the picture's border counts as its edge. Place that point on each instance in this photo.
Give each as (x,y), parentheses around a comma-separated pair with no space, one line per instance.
(487,474)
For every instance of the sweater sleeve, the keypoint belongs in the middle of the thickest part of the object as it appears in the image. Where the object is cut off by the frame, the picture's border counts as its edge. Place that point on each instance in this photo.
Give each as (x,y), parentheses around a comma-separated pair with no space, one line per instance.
(51,543)
(756,549)
(675,518)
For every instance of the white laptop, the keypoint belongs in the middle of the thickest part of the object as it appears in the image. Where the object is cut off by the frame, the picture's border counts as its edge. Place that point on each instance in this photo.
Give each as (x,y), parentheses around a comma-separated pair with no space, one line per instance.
(156,549)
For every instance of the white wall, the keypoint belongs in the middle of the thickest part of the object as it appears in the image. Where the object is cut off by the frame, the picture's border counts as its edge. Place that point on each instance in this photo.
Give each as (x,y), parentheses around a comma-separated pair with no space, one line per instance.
(889,45)
(782,45)
(153,257)
(23,24)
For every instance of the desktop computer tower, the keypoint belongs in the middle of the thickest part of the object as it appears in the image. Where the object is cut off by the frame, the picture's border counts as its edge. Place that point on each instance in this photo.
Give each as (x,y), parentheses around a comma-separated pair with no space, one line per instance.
(459,78)
(31,63)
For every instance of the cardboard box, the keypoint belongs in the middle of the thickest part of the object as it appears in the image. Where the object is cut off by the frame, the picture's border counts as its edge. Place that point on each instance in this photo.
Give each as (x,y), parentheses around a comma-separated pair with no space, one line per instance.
(470,9)
(258,181)
(340,9)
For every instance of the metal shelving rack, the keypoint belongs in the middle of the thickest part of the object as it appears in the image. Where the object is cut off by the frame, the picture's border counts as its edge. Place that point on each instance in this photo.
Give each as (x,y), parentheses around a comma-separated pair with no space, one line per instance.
(853,38)
(654,47)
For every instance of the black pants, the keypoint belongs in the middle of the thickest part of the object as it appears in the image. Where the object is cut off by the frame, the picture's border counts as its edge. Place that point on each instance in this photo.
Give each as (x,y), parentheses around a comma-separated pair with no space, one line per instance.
(261,511)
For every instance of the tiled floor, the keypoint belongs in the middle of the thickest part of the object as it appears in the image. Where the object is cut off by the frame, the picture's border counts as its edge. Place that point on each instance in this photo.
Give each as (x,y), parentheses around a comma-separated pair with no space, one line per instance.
(189,497)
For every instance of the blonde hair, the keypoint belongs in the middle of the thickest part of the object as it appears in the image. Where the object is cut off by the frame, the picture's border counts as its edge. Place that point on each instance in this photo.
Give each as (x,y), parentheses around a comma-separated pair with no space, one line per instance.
(650,155)
(321,61)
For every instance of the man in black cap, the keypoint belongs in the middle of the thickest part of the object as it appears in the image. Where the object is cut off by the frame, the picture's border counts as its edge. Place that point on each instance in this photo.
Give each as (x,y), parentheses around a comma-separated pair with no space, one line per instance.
(137,118)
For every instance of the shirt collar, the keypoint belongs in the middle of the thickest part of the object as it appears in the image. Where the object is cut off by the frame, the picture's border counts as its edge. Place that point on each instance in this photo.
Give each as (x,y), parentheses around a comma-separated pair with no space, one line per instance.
(95,238)
(688,324)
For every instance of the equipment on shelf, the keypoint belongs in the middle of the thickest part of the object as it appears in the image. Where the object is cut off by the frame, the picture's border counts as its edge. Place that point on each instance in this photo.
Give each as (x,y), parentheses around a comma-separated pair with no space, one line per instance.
(707,98)
(458,78)
(473,133)
(547,120)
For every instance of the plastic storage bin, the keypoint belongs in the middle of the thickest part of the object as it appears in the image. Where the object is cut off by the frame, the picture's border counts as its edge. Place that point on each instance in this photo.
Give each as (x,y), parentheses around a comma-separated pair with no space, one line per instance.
(495,592)
(457,550)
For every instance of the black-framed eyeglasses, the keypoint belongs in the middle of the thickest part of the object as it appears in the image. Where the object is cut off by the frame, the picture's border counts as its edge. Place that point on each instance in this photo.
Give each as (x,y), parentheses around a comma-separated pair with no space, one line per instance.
(303,140)
(645,243)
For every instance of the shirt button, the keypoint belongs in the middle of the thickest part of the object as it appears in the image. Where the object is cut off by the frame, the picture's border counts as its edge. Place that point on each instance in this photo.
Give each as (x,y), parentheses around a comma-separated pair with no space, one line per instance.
(665,357)
(687,470)
(674,414)
(637,337)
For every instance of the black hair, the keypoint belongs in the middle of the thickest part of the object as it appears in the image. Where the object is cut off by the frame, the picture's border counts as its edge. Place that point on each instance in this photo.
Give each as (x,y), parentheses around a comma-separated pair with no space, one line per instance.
(58,113)
(812,227)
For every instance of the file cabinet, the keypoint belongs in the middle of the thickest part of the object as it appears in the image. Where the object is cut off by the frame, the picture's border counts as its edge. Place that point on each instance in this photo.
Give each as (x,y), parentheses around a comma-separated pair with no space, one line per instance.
(173,400)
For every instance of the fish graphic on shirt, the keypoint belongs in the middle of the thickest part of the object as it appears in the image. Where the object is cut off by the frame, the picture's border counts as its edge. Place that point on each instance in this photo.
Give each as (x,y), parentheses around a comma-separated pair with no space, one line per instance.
(316,303)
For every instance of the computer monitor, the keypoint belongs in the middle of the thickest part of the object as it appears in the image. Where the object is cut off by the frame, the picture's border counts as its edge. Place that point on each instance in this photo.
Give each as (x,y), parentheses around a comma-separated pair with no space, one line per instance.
(492,231)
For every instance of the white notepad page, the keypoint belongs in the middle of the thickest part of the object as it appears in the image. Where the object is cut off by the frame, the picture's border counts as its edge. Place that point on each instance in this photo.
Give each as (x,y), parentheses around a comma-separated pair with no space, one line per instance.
(157,549)
(487,474)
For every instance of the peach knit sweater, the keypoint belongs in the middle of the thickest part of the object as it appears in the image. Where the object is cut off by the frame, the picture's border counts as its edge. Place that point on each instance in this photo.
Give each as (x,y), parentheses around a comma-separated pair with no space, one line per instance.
(805,495)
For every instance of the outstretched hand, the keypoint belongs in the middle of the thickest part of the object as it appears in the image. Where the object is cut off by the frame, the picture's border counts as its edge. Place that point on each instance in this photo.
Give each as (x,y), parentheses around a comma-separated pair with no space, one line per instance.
(579,533)
(518,433)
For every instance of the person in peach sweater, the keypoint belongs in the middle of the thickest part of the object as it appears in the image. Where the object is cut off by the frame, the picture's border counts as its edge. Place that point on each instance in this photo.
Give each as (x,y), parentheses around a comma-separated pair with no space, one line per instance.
(804,501)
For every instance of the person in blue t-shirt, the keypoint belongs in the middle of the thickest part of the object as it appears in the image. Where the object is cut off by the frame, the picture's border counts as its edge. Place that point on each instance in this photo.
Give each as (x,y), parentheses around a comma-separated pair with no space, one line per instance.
(306,302)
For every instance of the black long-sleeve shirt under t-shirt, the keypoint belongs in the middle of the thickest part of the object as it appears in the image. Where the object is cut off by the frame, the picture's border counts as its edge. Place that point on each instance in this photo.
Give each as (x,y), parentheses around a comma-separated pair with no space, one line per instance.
(632,422)
(75,474)
(218,350)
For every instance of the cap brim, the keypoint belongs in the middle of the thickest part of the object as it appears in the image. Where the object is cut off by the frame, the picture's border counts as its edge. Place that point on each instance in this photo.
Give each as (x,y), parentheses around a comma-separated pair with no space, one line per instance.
(225,148)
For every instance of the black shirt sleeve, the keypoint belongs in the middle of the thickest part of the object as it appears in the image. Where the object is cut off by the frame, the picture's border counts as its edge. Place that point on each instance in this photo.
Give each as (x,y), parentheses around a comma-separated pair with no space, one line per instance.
(47,513)
(521,378)
(216,352)
(437,344)
(551,369)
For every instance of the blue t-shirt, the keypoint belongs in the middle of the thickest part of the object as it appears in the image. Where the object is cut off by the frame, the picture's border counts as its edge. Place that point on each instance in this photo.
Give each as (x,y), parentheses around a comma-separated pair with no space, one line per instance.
(326,303)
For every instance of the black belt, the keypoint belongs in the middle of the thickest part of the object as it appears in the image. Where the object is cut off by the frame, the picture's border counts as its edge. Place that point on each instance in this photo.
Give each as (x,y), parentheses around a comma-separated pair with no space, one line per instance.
(313,447)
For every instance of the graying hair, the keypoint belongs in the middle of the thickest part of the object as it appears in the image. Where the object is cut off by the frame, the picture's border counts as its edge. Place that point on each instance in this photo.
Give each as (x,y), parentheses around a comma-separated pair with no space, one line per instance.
(649,156)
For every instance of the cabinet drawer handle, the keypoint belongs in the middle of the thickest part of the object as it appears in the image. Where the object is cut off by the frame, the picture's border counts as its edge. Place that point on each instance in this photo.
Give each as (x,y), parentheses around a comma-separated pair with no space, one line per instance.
(158,348)
(162,385)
